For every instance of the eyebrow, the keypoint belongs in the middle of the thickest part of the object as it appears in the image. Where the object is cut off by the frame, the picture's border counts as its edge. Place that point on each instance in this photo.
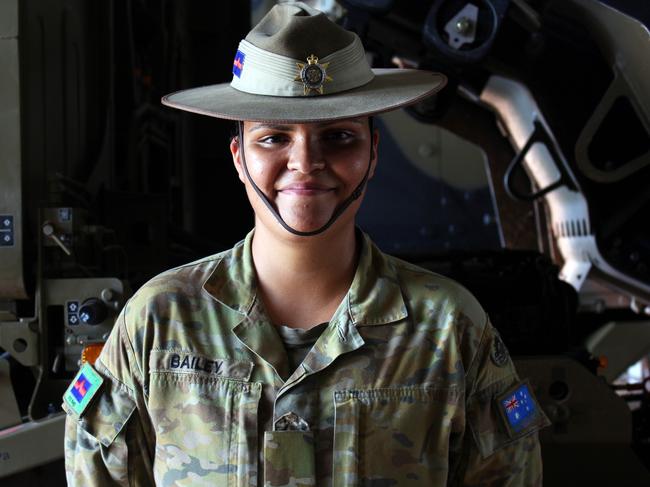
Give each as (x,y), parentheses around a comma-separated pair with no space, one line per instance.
(271,126)
(287,128)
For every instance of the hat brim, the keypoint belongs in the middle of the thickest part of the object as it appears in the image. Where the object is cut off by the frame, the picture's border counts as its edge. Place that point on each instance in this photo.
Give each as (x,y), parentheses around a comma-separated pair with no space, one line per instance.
(389,89)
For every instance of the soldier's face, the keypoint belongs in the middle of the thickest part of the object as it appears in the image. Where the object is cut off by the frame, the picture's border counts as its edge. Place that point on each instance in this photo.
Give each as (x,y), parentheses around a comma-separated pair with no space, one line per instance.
(306,170)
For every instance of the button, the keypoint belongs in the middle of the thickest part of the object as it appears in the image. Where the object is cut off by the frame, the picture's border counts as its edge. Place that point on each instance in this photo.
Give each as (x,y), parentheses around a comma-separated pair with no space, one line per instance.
(93,311)
(65,214)
(291,422)
(6,231)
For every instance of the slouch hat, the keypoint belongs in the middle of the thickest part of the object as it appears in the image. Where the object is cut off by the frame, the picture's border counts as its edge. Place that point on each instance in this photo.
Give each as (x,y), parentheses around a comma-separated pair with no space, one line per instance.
(297,66)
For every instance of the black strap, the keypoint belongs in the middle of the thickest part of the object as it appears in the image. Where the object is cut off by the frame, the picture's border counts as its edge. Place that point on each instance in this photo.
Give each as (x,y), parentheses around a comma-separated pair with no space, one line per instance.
(539,135)
(337,212)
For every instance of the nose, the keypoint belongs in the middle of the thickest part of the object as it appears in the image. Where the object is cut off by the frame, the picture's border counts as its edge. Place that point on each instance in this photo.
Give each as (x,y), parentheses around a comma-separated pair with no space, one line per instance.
(306,156)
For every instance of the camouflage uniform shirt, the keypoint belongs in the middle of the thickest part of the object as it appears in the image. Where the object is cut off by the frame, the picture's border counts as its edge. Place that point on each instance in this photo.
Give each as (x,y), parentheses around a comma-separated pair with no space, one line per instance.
(405,386)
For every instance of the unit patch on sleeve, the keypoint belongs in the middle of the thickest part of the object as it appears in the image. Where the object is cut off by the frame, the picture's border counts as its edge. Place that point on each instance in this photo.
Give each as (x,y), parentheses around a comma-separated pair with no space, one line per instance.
(499,353)
(520,409)
(83,388)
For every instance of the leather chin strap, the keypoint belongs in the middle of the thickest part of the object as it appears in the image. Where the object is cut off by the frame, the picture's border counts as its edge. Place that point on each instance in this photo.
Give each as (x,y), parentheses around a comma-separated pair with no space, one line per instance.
(337,212)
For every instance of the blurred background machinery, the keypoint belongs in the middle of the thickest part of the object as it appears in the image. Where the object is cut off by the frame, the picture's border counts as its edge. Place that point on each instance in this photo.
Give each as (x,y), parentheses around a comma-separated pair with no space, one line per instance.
(526,180)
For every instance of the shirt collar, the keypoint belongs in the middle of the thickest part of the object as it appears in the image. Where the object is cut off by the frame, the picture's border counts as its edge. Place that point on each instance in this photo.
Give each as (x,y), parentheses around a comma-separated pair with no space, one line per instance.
(233,281)
(374,298)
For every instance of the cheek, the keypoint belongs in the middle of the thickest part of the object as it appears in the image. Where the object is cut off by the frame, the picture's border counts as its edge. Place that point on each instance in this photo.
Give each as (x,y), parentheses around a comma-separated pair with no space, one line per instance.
(351,166)
(263,170)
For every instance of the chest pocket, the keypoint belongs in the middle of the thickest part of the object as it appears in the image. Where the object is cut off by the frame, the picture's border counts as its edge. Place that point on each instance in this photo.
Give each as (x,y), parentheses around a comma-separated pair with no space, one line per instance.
(395,435)
(206,429)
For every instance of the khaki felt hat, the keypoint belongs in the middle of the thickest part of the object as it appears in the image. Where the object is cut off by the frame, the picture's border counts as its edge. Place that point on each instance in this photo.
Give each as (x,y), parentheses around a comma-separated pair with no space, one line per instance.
(297,66)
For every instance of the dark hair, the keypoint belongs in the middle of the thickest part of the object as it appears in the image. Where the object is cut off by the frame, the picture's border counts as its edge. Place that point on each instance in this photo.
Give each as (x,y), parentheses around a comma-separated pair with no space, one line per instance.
(234,131)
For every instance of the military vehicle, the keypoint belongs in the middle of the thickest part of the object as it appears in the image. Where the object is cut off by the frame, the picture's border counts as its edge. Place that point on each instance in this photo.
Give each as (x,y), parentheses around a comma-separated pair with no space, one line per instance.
(527,179)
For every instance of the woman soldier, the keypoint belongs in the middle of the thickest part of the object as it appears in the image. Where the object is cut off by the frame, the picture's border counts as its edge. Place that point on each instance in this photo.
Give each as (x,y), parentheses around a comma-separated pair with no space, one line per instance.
(303,356)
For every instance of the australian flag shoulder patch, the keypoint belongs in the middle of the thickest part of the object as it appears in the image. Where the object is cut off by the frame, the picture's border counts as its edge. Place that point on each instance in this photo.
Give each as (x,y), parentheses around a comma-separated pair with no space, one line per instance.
(520,410)
(83,388)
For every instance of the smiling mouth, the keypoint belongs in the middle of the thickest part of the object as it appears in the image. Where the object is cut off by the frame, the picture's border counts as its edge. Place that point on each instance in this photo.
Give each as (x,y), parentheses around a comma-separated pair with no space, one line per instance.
(306,189)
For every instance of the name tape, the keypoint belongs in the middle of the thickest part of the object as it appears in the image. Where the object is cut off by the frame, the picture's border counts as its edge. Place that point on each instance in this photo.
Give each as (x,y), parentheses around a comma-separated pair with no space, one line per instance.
(185,362)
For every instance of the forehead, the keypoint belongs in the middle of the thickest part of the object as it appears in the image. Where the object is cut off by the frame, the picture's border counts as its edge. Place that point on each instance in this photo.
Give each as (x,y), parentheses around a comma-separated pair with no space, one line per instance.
(295,127)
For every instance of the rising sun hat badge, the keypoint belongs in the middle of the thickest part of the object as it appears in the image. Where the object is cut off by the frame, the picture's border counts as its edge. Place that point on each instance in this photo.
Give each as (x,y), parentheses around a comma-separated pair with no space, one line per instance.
(313,75)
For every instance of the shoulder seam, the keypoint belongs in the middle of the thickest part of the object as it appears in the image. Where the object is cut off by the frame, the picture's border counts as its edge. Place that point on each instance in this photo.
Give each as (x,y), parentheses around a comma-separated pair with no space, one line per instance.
(204,260)
(478,349)
(128,345)
(216,258)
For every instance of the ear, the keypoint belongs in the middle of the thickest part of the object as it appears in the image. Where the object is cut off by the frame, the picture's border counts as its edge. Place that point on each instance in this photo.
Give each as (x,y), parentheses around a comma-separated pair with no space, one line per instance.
(235,151)
(375,153)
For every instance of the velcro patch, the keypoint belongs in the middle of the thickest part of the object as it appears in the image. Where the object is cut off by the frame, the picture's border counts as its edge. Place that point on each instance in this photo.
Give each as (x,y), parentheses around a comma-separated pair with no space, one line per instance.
(185,362)
(238,64)
(519,408)
(83,388)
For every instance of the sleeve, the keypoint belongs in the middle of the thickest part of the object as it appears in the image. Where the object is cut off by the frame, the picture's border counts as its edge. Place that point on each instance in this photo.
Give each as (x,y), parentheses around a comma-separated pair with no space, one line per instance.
(105,438)
(501,445)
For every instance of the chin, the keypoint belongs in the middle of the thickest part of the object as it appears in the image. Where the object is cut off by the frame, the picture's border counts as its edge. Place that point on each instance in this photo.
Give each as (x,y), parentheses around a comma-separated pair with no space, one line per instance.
(302,226)
(306,222)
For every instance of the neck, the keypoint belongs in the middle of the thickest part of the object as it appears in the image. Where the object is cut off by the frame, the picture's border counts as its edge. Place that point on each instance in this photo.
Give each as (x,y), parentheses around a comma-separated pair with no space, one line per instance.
(302,280)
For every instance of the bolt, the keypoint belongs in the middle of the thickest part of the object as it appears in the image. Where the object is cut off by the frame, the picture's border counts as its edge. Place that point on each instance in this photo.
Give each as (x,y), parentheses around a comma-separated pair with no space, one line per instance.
(426,150)
(463,26)
(107,295)
(48,231)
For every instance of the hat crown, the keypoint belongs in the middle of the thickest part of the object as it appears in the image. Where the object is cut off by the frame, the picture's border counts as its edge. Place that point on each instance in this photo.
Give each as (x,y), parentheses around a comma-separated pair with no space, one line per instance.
(297,31)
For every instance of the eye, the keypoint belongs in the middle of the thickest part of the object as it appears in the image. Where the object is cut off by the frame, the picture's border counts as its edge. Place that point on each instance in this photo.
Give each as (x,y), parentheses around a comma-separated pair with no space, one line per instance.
(272,139)
(339,135)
